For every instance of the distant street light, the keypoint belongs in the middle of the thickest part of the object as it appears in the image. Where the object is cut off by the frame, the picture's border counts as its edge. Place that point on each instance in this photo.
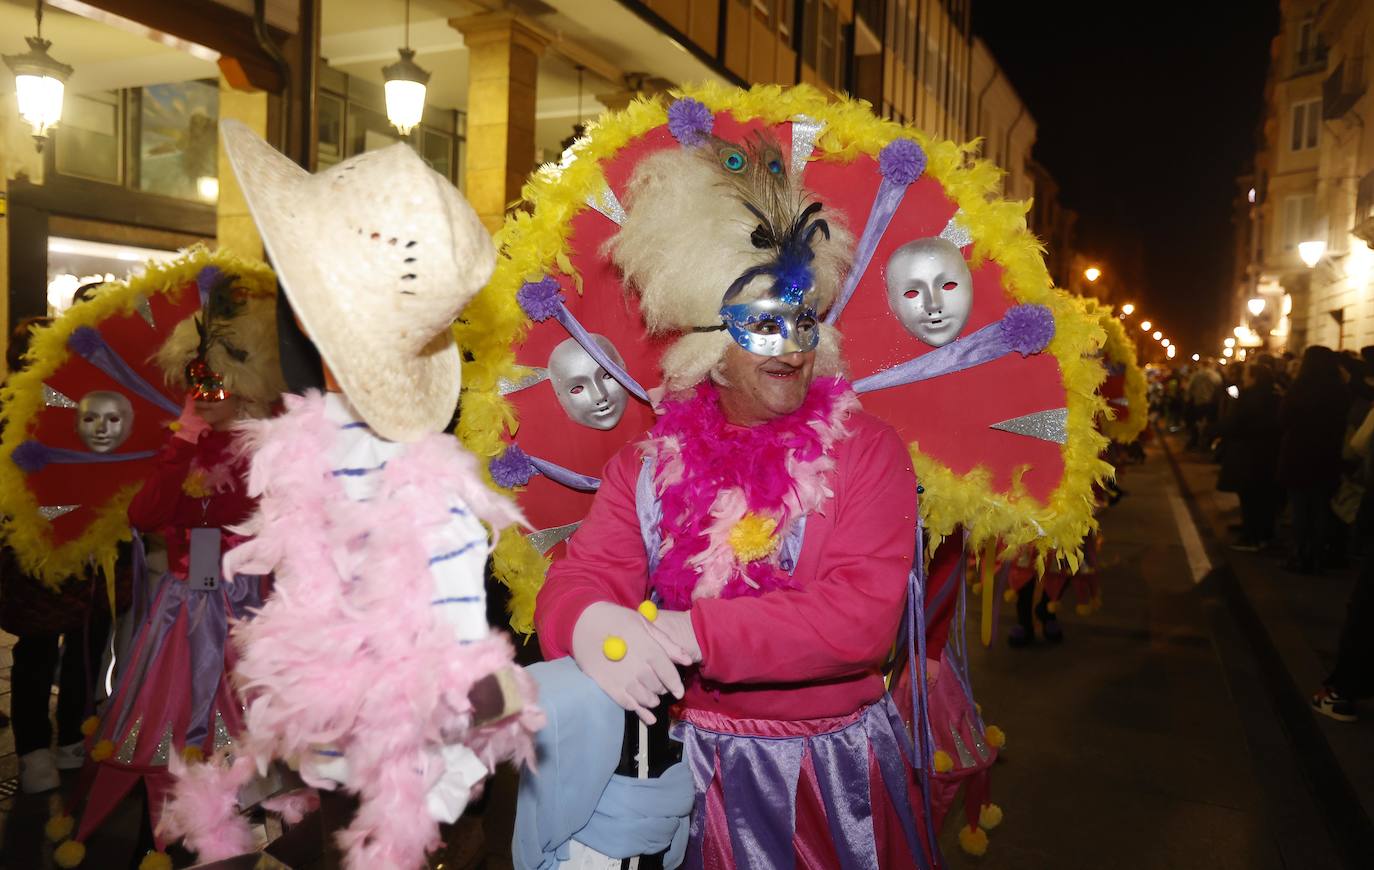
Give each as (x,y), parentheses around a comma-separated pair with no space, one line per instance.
(1092,273)
(1157,335)
(1165,342)
(1230,342)
(1128,309)
(1256,306)
(1145,326)
(1311,252)
(1196,358)
(1227,351)
(1238,332)
(1171,351)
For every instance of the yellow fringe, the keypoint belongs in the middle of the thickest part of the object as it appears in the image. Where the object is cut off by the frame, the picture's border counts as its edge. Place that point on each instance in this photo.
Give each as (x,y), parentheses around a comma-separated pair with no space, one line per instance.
(21,400)
(534,242)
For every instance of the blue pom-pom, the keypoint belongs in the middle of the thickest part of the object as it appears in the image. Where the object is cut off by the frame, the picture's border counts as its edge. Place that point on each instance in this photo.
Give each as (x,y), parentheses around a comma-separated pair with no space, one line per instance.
(540,300)
(902,161)
(690,122)
(512,468)
(1027,329)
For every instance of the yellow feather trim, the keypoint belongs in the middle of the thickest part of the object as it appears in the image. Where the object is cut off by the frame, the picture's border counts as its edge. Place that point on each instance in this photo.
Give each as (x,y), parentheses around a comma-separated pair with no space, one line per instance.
(1120,349)
(21,400)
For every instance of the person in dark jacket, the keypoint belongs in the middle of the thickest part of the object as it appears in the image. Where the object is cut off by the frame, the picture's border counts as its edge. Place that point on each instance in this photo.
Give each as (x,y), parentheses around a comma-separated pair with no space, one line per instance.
(1313,418)
(1251,433)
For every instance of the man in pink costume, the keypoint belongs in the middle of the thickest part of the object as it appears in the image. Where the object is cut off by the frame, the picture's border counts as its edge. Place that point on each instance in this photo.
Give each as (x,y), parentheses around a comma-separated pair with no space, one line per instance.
(769,517)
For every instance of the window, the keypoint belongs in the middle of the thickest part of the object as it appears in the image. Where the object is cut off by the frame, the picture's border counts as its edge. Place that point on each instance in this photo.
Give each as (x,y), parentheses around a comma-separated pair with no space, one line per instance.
(787,13)
(1306,121)
(1298,220)
(827,68)
(1306,54)
(809,23)
(87,143)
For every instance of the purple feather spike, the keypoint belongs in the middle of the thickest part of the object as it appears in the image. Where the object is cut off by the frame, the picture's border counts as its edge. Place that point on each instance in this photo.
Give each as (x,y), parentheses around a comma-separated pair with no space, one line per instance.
(207,278)
(540,300)
(1027,329)
(902,161)
(84,341)
(690,122)
(512,468)
(31,457)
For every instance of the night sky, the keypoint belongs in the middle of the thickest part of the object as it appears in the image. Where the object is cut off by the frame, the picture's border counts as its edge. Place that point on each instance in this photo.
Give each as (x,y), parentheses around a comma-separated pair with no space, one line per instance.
(1146,113)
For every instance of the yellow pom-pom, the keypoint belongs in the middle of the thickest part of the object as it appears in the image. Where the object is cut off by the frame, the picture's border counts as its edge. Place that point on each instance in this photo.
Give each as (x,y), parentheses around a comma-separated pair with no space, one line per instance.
(102,750)
(175,425)
(59,827)
(156,861)
(69,854)
(90,726)
(614,648)
(973,841)
(1052,607)
(752,537)
(989,816)
(997,738)
(1083,609)
(192,754)
(943,763)
(649,610)
(1009,596)
(976,588)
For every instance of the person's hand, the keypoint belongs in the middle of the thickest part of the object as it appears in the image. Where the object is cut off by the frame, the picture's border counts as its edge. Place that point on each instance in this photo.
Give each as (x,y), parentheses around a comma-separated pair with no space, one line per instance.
(647,668)
(190,426)
(674,627)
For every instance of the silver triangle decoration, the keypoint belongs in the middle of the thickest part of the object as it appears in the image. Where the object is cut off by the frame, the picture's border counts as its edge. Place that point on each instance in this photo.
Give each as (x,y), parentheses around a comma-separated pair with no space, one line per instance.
(805,131)
(125,755)
(164,747)
(53,511)
(979,744)
(605,201)
(56,399)
(1051,425)
(965,757)
(222,736)
(956,232)
(537,375)
(145,310)
(545,540)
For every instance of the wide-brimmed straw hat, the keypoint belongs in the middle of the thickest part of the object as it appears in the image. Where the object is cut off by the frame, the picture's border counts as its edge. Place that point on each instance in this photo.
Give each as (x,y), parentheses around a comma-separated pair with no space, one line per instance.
(378,255)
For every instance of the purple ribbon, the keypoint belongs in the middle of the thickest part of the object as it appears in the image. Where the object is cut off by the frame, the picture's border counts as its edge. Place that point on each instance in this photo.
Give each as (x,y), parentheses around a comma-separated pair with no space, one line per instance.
(565,476)
(33,456)
(90,345)
(920,691)
(598,353)
(885,204)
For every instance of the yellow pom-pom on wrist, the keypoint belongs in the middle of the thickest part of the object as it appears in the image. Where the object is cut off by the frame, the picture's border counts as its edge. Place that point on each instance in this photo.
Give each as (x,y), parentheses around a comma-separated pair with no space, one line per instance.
(102,750)
(649,610)
(69,854)
(59,827)
(943,763)
(973,840)
(997,738)
(614,648)
(90,725)
(192,754)
(156,861)
(989,816)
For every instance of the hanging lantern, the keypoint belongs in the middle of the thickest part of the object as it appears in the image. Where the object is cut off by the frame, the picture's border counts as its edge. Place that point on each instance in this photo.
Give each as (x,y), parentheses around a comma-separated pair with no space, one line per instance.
(39,83)
(406,82)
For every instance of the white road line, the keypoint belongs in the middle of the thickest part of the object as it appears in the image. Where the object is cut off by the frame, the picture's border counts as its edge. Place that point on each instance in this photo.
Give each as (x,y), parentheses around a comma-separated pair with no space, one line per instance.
(1198,562)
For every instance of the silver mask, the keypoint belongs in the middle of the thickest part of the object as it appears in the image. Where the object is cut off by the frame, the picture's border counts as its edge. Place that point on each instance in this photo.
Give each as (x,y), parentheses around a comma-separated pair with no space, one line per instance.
(930,290)
(588,393)
(104,420)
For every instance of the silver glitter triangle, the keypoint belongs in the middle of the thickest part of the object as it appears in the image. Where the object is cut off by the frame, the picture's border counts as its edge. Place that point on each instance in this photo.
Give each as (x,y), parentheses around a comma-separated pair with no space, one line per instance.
(222,737)
(956,232)
(125,755)
(545,540)
(55,399)
(164,747)
(145,310)
(605,201)
(1049,425)
(805,131)
(980,745)
(536,375)
(53,511)
(965,757)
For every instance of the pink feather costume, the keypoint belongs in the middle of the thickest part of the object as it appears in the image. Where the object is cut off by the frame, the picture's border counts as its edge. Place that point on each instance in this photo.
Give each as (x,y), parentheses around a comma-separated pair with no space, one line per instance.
(350,653)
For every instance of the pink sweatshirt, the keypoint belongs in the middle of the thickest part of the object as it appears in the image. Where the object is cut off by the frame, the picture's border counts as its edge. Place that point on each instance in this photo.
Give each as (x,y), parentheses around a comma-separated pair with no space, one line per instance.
(805,653)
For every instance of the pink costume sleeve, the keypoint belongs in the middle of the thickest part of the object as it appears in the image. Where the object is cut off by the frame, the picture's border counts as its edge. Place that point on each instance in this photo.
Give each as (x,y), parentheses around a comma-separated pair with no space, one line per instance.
(605,559)
(844,621)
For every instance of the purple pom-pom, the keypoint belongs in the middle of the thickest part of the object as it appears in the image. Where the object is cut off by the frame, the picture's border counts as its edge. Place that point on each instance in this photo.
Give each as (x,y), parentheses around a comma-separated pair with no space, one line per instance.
(84,341)
(512,468)
(31,457)
(207,278)
(1027,329)
(689,121)
(540,300)
(902,161)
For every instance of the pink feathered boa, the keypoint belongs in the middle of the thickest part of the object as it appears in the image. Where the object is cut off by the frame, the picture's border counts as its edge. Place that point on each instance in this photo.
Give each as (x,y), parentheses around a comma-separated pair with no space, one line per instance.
(348,651)
(709,474)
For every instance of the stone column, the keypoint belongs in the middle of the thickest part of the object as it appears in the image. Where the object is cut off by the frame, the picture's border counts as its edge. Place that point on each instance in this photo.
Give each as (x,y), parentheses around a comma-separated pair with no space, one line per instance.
(503,68)
(234,228)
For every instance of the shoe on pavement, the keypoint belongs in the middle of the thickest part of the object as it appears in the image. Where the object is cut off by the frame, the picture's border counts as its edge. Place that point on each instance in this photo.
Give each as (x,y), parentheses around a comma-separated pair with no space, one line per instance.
(1332,705)
(71,756)
(37,772)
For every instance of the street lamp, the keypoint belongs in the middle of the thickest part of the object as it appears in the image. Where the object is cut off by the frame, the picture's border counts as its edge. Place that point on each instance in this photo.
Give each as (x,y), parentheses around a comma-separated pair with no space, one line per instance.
(39,82)
(1128,309)
(1157,335)
(406,83)
(1227,351)
(1230,342)
(1145,326)
(1256,306)
(1311,252)
(1171,351)
(1197,358)
(1165,342)
(1092,273)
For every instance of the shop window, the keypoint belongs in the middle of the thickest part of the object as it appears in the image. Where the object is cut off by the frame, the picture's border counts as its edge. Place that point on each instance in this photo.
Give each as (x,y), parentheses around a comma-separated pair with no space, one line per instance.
(87,143)
(177,140)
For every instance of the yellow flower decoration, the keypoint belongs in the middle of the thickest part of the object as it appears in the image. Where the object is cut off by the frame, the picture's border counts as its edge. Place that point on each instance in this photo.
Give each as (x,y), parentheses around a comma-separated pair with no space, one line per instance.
(753,538)
(195,485)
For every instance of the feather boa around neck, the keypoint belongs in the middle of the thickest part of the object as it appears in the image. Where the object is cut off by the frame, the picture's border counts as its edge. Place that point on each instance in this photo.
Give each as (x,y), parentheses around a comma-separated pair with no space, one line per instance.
(711,475)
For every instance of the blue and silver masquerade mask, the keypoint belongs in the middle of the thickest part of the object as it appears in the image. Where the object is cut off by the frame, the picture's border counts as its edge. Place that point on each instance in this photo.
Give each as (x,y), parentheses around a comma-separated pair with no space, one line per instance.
(776,324)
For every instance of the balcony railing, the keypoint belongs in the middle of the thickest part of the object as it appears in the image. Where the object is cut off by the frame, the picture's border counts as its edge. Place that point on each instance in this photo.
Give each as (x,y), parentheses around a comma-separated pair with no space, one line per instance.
(1341,91)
